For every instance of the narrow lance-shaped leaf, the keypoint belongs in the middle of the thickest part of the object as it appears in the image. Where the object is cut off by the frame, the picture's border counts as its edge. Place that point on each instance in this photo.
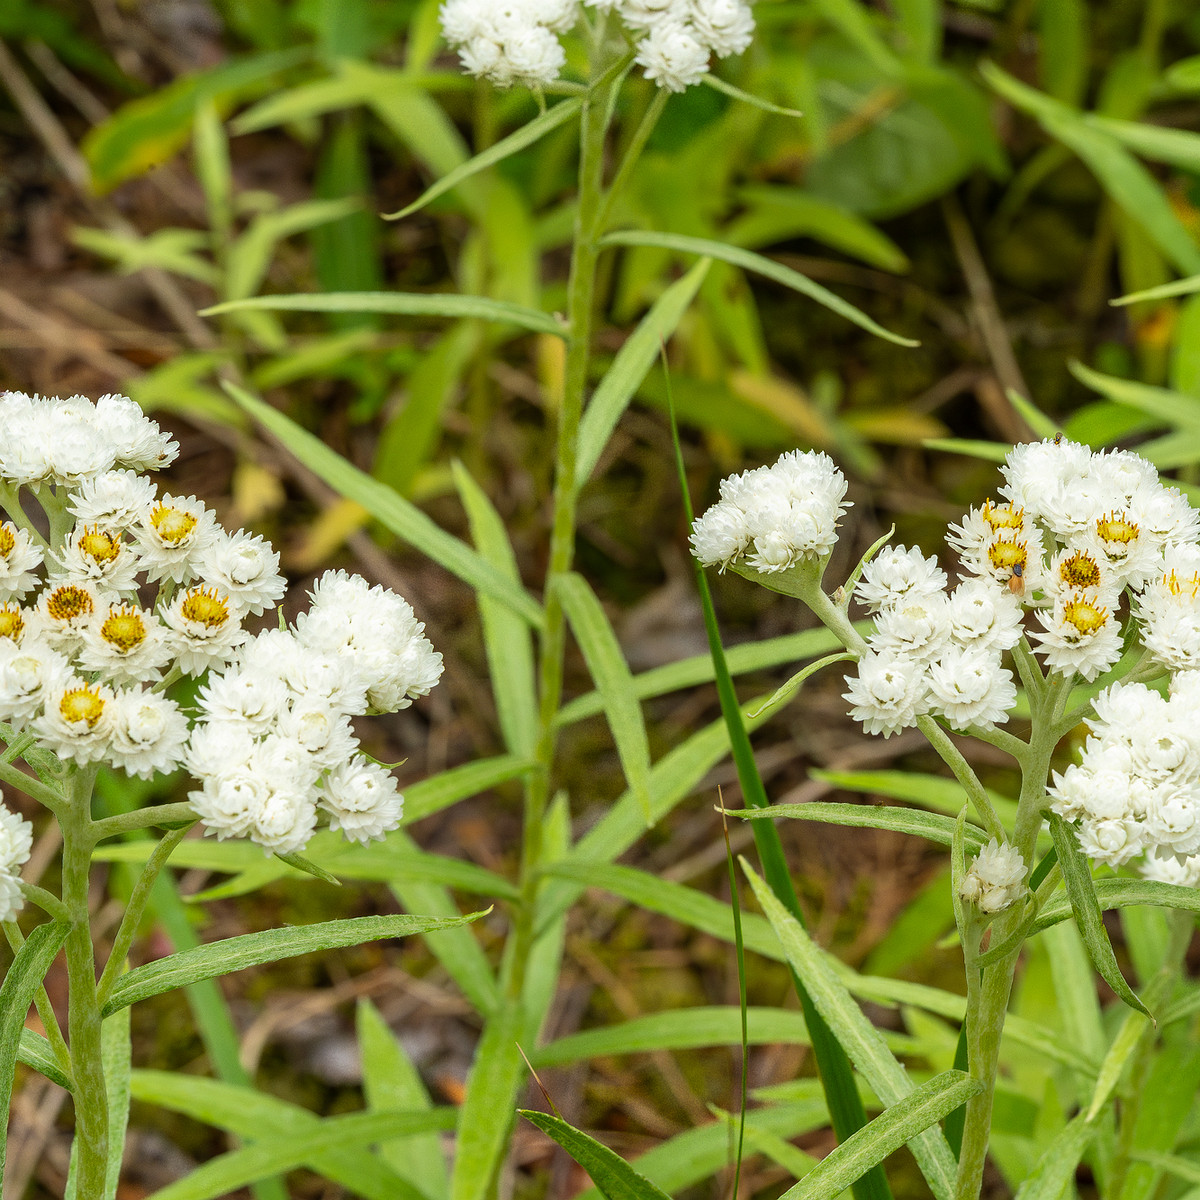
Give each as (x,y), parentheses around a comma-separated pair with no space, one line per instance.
(786,691)
(629,368)
(888,1132)
(389,508)
(933,827)
(766,267)
(34,1051)
(253,949)
(28,969)
(615,1178)
(1077,876)
(613,680)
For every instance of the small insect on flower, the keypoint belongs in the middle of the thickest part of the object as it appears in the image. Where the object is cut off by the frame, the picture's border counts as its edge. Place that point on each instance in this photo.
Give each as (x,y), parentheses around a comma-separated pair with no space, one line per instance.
(1016,581)
(1058,437)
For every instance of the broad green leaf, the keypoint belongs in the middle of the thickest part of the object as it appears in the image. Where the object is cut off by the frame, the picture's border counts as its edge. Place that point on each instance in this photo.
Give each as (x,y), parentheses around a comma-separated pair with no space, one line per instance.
(148,131)
(253,949)
(410,304)
(514,142)
(1077,877)
(862,1042)
(751,656)
(253,1116)
(869,816)
(1175,1164)
(608,669)
(34,1051)
(681,1029)
(1166,406)
(403,519)
(898,1124)
(635,358)
(506,637)
(486,1117)
(24,977)
(390,1081)
(1075,991)
(1177,147)
(615,1178)
(285,1152)
(1121,893)
(750,261)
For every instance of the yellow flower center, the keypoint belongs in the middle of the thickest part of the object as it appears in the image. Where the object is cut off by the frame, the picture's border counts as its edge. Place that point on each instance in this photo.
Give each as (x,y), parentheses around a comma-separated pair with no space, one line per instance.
(81,704)
(123,629)
(1177,586)
(205,606)
(172,525)
(1085,618)
(11,622)
(1114,527)
(68,602)
(102,548)
(8,539)
(1008,555)
(1079,571)
(1003,516)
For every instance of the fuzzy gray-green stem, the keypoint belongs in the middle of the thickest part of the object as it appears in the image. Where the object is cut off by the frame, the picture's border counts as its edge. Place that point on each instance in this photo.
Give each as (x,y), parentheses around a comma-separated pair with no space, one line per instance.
(83,1008)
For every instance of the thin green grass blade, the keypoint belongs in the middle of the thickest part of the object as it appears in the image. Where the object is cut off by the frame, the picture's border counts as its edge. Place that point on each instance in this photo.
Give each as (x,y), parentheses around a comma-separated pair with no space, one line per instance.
(845,1107)
(740,948)
(1167,291)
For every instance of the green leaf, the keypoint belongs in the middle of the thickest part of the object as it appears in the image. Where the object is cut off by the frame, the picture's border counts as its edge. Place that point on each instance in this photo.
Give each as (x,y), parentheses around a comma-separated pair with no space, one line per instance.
(607,666)
(300,863)
(114,1055)
(1164,405)
(615,1178)
(785,692)
(253,949)
(750,261)
(862,1042)
(1033,416)
(898,1124)
(722,85)
(1077,876)
(635,358)
(1178,287)
(410,304)
(403,519)
(285,1152)
(933,828)
(254,1116)
(680,1029)
(514,142)
(1177,147)
(506,637)
(1122,893)
(390,1081)
(448,787)
(995,452)
(34,1051)
(485,1121)
(1055,1170)
(929,791)
(24,977)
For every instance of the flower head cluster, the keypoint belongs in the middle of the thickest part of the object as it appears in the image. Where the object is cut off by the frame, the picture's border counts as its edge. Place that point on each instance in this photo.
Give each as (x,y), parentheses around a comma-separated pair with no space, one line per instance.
(995,879)
(147,587)
(517,41)
(1135,794)
(16,839)
(772,518)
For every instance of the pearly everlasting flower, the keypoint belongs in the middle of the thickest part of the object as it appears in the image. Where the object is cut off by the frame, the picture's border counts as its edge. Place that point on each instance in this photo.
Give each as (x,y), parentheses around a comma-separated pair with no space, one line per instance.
(725,26)
(362,800)
(125,644)
(99,556)
(112,500)
(981,614)
(245,569)
(64,608)
(28,673)
(1079,570)
(138,442)
(1129,553)
(1080,635)
(970,687)
(916,629)
(325,735)
(252,700)
(672,56)
(13,623)
(1168,611)
(1165,867)
(19,559)
(172,537)
(149,734)
(897,575)
(76,721)
(16,841)
(202,629)
(888,694)
(509,41)
(995,879)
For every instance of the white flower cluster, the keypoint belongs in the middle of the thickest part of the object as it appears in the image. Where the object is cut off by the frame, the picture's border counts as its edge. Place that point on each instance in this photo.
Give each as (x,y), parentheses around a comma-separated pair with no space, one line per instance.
(771,518)
(995,879)
(516,41)
(1076,530)
(1136,792)
(145,588)
(16,839)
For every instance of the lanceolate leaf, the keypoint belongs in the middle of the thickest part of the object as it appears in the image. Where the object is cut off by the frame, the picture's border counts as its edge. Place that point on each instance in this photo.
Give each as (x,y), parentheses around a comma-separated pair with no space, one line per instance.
(34,1051)
(1077,876)
(888,1132)
(615,1178)
(253,949)
(870,816)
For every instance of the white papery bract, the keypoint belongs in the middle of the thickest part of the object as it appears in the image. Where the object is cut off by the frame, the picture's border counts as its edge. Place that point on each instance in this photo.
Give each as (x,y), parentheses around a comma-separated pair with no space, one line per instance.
(888,694)
(16,841)
(509,41)
(897,575)
(995,879)
(969,686)
(272,718)
(362,800)
(672,55)
(981,614)
(1080,635)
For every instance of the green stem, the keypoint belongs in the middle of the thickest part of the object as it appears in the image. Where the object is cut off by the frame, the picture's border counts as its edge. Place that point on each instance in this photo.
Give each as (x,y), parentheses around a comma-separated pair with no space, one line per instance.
(46,901)
(144,818)
(950,754)
(45,795)
(83,1008)
(633,152)
(132,917)
(10,501)
(45,1010)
